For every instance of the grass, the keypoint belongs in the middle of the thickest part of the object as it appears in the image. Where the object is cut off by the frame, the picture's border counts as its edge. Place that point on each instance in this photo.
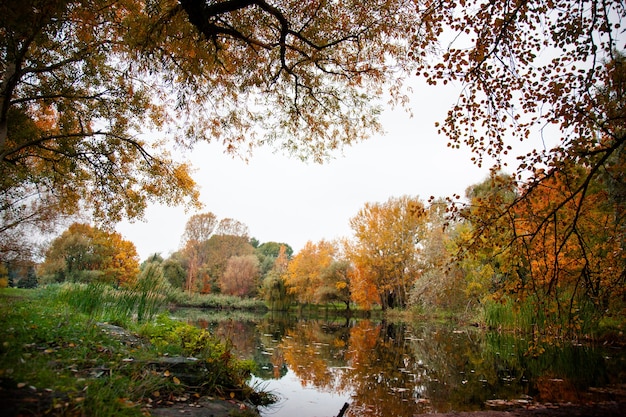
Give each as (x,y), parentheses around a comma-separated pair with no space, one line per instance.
(53,349)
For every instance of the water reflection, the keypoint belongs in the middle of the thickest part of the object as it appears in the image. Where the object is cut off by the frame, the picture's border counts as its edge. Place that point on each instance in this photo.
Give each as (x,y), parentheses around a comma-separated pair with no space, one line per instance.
(384,369)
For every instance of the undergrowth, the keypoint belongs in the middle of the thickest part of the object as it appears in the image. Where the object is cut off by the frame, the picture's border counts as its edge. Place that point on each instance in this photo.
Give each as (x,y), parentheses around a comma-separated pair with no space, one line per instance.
(54,350)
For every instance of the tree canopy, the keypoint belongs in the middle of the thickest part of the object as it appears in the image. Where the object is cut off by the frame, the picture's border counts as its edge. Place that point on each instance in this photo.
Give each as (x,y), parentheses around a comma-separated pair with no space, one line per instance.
(94,93)
(88,254)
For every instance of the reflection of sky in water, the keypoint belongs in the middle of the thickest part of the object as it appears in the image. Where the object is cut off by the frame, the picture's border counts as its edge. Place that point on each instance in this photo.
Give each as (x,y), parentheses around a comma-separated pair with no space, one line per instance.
(296,400)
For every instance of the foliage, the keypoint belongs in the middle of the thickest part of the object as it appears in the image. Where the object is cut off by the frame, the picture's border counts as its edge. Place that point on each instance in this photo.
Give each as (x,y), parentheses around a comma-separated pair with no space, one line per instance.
(174,272)
(553,249)
(274,289)
(304,277)
(241,276)
(214,301)
(554,68)
(84,254)
(30,281)
(78,365)
(273,249)
(82,82)
(268,252)
(526,66)
(385,250)
(573,249)
(442,284)
(207,246)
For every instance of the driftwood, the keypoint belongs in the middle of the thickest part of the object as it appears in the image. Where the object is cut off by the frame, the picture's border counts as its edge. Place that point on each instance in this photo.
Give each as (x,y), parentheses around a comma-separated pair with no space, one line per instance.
(343,410)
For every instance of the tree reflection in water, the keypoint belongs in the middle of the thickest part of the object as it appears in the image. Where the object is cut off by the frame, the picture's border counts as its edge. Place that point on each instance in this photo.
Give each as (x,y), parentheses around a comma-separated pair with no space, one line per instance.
(388,369)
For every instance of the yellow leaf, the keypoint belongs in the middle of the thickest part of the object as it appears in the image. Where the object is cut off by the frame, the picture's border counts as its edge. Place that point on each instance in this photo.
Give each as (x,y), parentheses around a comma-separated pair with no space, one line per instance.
(166,373)
(176,381)
(232,395)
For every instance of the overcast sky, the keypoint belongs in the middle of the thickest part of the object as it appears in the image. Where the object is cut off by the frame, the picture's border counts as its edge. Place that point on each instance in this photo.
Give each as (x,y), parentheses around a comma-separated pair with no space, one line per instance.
(283,199)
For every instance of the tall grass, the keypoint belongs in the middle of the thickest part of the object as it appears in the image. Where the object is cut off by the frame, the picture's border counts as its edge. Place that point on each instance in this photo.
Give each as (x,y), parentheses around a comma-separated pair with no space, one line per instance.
(140,301)
(543,317)
(509,315)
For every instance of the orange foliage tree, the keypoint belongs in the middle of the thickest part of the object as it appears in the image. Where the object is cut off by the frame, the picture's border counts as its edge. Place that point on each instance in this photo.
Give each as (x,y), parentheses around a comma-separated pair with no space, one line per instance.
(385,250)
(574,262)
(314,274)
(85,253)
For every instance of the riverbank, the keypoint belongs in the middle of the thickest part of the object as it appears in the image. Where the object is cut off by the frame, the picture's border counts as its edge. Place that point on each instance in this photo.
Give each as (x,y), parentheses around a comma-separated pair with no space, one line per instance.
(55,360)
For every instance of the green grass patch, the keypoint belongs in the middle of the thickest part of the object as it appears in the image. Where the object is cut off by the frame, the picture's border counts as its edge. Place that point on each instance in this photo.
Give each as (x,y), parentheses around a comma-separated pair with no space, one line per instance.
(55,354)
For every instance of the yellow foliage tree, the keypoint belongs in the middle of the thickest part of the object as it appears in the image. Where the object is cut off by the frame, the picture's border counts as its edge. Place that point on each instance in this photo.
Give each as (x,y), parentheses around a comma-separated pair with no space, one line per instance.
(84,253)
(385,249)
(304,275)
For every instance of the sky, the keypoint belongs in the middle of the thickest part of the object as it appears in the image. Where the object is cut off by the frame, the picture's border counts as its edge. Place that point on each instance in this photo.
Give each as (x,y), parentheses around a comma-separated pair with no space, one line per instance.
(283,199)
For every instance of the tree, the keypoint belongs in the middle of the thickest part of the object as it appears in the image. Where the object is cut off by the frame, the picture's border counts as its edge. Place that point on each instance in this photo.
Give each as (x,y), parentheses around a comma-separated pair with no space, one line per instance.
(81,82)
(199,228)
(232,227)
(319,274)
(71,109)
(574,263)
(241,276)
(441,282)
(528,64)
(273,249)
(273,289)
(304,276)
(335,279)
(174,273)
(534,70)
(385,248)
(86,253)
(216,252)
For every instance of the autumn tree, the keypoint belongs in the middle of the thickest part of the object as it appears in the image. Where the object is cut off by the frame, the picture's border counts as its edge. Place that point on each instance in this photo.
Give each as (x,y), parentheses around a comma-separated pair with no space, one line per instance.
(525,66)
(574,264)
(273,288)
(71,110)
(312,276)
(484,234)
(85,253)
(217,251)
(83,82)
(198,229)
(550,72)
(385,248)
(241,276)
(441,284)
(232,227)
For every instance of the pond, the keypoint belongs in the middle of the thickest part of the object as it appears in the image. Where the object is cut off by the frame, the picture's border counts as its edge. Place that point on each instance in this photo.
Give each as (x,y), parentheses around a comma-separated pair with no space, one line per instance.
(315,366)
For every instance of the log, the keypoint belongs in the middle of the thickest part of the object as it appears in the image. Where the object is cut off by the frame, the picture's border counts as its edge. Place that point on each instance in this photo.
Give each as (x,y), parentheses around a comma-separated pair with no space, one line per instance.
(343,410)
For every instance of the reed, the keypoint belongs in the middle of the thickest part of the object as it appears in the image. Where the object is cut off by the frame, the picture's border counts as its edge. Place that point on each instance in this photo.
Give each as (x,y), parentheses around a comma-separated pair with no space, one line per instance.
(140,301)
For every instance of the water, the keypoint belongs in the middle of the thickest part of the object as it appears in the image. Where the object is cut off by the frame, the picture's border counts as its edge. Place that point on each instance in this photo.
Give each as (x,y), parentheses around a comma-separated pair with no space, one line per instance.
(384,369)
